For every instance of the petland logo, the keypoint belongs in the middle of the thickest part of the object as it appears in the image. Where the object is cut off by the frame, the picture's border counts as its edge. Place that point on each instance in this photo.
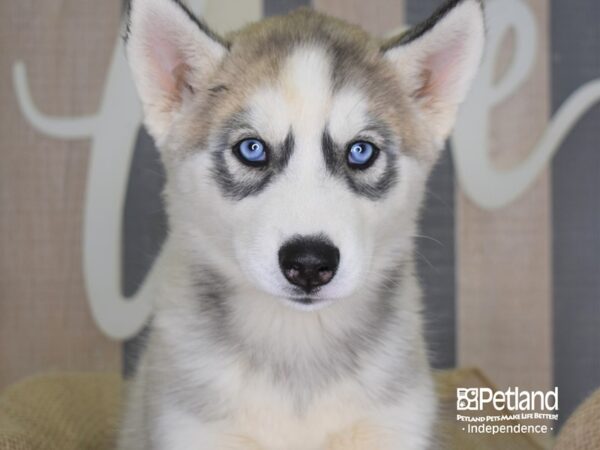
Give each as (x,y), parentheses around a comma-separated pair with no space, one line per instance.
(513,399)
(519,411)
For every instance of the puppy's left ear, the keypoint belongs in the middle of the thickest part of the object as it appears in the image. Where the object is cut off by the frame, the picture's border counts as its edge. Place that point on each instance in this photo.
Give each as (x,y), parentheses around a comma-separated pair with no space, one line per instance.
(172,55)
(438,59)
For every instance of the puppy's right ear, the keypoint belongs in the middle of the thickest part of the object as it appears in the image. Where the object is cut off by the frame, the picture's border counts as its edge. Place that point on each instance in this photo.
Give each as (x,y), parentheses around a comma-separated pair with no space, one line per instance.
(439,59)
(171,55)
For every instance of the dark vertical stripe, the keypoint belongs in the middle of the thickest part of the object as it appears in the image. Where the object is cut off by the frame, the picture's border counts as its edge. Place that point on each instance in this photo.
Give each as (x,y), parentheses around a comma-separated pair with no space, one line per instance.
(144,218)
(144,231)
(576,207)
(277,7)
(436,256)
(144,228)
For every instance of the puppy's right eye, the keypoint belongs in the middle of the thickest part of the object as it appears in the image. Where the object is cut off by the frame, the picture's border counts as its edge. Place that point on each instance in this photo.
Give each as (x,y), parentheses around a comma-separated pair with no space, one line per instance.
(252,152)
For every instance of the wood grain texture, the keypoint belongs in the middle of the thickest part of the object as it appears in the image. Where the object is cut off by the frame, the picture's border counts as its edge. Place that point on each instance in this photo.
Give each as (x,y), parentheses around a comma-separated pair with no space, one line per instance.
(576,209)
(225,16)
(278,7)
(504,302)
(45,321)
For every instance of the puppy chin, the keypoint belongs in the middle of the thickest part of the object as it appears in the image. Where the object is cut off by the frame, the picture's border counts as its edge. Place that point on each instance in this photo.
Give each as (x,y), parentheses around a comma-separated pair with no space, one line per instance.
(307,303)
(292,297)
(317,300)
(298,300)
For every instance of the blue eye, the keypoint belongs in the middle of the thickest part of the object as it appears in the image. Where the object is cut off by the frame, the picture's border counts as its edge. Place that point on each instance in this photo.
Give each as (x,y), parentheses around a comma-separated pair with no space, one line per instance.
(252,152)
(361,154)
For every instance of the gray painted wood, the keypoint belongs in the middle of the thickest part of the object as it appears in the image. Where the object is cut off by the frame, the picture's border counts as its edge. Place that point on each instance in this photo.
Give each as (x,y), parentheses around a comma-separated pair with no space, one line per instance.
(576,207)
(436,256)
(277,7)
(144,218)
(144,231)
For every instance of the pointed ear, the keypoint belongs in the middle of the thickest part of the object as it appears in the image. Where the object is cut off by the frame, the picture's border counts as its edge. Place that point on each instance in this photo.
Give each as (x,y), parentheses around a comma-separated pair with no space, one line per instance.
(171,55)
(438,60)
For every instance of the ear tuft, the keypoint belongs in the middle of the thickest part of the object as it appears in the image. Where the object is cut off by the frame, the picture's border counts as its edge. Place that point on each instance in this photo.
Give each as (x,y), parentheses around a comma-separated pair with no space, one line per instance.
(439,58)
(171,55)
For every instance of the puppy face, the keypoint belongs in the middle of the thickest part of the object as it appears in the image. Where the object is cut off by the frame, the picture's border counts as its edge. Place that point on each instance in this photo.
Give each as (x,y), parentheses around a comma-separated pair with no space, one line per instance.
(297,151)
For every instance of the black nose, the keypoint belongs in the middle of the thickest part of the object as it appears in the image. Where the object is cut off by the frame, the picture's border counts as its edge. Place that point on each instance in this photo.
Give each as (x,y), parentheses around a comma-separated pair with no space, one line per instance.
(309,261)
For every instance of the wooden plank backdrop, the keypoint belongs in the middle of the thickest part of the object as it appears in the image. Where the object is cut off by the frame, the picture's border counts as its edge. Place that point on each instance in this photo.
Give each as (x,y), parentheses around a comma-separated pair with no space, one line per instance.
(576,207)
(489,287)
(503,262)
(379,17)
(45,322)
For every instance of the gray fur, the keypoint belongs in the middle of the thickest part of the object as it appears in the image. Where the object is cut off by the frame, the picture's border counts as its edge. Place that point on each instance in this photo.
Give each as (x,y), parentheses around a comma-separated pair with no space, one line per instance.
(343,357)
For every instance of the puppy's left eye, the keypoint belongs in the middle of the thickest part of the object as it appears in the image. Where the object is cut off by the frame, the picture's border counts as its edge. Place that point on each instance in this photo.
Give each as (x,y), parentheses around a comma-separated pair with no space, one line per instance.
(362,155)
(252,152)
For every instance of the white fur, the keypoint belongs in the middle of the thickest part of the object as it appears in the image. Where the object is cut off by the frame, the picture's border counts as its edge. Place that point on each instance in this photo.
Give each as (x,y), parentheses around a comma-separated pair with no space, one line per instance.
(195,389)
(302,102)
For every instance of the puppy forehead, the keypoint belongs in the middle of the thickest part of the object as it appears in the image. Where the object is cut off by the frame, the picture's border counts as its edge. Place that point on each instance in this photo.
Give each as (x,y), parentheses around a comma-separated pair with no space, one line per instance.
(303,99)
(349,113)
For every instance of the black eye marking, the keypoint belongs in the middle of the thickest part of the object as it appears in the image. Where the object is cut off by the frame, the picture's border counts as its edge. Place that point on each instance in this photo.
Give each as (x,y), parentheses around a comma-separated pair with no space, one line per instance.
(381,187)
(332,162)
(247,181)
(218,88)
(336,162)
(286,151)
(230,186)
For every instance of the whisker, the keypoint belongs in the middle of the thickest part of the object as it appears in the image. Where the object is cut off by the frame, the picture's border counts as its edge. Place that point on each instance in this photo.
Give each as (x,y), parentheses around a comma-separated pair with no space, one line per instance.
(430,238)
(425,259)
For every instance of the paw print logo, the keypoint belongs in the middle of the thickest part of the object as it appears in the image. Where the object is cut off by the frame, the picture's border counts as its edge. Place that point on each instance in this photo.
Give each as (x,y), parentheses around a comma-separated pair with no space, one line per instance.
(467,399)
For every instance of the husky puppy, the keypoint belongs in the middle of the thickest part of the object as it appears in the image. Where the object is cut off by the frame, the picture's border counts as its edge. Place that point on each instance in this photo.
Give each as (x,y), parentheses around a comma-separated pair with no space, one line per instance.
(296,151)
